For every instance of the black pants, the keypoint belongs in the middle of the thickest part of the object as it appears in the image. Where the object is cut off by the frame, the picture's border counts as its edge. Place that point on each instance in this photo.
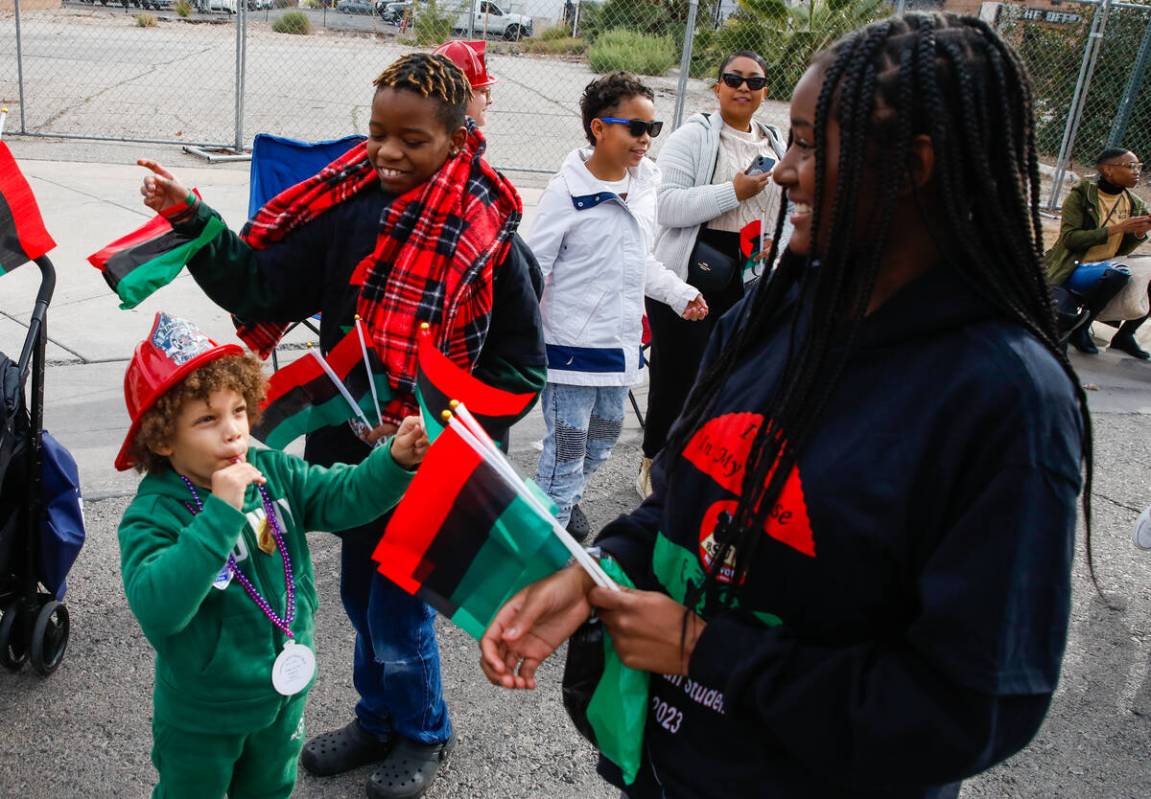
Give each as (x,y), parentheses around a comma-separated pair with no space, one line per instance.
(677,348)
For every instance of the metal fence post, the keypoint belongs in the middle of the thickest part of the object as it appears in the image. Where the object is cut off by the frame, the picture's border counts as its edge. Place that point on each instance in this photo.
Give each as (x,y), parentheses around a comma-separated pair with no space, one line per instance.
(1134,84)
(20,69)
(472,20)
(575,20)
(900,7)
(1079,100)
(685,64)
(241,53)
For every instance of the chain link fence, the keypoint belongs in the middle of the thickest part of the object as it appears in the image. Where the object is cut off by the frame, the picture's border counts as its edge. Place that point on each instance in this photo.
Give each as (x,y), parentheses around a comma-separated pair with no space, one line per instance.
(215,73)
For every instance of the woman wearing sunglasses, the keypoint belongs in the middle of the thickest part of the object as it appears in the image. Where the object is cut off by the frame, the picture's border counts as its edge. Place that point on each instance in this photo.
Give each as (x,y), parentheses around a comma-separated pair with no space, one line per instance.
(706,197)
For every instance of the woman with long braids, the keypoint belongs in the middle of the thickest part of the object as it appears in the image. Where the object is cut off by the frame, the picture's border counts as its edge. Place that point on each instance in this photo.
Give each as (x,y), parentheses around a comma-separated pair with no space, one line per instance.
(854,572)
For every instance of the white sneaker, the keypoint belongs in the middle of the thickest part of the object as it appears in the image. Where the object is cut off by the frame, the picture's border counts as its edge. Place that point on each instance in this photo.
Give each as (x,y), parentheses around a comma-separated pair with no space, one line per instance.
(1141,535)
(643,479)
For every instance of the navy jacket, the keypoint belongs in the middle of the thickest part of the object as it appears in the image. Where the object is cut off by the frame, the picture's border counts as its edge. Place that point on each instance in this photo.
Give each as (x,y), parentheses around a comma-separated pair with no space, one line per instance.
(905,614)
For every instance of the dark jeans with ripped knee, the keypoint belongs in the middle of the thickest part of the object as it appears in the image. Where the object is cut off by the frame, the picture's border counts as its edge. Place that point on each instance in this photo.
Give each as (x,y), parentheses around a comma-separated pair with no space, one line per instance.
(397,659)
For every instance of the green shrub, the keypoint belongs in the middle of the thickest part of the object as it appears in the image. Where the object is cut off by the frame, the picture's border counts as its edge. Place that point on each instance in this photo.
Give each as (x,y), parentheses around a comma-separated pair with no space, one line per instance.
(314,4)
(433,22)
(554,32)
(633,52)
(293,22)
(145,21)
(564,45)
(183,8)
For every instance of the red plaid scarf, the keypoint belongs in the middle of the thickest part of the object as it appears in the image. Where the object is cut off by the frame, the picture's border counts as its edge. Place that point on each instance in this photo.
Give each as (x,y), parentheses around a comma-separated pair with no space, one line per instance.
(434,260)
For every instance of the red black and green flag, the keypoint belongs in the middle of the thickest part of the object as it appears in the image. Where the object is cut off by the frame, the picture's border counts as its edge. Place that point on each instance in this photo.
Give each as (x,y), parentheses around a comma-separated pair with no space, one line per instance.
(439,381)
(150,257)
(751,241)
(303,398)
(463,539)
(23,237)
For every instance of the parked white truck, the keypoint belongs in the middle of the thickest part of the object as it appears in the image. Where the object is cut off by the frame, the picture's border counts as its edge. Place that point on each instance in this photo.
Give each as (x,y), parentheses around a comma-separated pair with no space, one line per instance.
(491,20)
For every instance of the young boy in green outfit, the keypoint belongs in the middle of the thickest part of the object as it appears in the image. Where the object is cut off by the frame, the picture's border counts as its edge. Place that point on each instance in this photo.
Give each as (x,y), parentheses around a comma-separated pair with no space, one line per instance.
(216,566)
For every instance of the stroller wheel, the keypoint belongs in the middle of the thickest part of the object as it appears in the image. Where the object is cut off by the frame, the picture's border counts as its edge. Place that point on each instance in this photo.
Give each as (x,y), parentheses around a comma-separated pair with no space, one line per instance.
(49,637)
(13,647)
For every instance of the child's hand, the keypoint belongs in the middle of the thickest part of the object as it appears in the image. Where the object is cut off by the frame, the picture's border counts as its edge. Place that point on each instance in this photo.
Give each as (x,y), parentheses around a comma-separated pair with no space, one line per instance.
(230,483)
(411,443)
(379,431)
(161,190)
(696,309)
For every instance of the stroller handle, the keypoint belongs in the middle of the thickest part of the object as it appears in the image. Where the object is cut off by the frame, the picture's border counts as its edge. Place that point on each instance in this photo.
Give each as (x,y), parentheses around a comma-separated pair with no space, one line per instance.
(39,312)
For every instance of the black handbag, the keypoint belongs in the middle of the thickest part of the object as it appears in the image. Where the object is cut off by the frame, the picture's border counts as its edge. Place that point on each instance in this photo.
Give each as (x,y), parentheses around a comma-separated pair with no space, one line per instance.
(709,269)
(582,672)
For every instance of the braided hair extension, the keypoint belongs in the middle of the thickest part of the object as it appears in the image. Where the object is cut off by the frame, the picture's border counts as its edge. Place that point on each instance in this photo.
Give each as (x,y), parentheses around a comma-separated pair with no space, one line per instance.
(431,76)
(954,80)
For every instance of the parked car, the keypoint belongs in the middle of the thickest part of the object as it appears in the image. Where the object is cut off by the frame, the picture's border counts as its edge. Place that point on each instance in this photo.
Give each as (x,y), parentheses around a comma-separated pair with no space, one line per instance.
(393,12)
(259,5)
(490,19)
(228,6)
(355,7)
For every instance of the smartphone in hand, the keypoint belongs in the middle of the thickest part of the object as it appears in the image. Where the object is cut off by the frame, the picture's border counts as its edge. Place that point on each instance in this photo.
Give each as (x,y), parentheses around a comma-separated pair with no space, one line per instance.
(761,164)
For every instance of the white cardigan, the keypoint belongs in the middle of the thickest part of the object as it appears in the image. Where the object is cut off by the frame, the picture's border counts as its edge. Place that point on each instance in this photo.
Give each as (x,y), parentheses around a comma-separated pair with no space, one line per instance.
(594,249)
(687,198)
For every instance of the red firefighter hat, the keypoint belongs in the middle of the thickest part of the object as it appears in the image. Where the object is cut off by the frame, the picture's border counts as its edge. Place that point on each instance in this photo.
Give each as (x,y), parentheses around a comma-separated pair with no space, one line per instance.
(470,57)
(173,350)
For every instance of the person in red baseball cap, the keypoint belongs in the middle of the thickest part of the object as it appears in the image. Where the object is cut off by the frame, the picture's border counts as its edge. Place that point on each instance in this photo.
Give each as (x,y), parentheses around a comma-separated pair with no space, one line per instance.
(215,563)
(471,58)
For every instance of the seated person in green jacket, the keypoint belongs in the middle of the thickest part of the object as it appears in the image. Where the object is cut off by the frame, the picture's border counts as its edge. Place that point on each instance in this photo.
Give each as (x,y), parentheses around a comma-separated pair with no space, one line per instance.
(216,567)
(1102,221)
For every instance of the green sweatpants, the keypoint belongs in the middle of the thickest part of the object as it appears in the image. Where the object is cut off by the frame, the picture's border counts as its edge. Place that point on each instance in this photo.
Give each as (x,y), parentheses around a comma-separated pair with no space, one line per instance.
(257,765)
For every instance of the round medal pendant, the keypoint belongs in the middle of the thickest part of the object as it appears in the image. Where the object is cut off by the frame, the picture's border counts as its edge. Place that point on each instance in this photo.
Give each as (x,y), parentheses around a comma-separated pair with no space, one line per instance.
(293,669)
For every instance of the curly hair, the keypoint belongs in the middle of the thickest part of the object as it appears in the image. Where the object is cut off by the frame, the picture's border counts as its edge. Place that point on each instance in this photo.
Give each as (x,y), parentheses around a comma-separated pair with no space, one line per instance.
(433,76)
(240,373)
(606,93)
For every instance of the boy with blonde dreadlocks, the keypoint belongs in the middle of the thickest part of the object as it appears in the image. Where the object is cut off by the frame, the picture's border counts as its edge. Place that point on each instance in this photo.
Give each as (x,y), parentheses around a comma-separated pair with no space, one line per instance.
(412,226)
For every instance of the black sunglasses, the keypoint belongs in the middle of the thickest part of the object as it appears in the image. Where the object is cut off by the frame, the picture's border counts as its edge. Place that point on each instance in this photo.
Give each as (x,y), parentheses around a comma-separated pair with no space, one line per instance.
(754,82)
(636,127)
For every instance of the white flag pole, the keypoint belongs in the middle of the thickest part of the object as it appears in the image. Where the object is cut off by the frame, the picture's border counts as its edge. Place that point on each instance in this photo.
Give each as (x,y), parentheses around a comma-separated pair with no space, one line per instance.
(339,386)
(368,368)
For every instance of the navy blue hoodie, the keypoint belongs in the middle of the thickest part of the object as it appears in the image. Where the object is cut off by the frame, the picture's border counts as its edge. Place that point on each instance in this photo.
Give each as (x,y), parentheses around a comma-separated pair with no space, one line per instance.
(905,615)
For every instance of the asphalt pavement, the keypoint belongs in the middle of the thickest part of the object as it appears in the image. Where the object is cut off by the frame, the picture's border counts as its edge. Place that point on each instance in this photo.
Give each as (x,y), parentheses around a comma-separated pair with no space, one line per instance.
(86,730)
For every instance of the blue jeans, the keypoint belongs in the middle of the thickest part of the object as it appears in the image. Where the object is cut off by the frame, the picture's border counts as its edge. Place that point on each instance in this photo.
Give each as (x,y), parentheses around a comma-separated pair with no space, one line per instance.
(397,660)
(583,424)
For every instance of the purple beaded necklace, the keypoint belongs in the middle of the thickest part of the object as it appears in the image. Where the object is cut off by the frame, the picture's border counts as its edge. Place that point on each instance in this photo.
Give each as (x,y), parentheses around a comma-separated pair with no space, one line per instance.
(285,624)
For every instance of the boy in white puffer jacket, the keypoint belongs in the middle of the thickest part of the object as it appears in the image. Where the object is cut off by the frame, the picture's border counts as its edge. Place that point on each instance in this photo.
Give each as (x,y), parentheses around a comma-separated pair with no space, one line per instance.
(593,237)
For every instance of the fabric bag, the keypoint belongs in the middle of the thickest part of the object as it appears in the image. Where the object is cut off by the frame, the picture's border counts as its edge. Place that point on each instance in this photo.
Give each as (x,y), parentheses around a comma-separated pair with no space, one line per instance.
(1132,301)
(62,515)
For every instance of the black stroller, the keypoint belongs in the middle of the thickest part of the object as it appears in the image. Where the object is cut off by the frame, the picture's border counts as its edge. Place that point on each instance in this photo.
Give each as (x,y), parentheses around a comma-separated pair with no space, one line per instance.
(34,626)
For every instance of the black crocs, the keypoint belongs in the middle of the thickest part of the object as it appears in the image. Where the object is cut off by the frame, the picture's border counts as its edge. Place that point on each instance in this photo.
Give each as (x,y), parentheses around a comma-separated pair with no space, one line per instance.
(409,770)
(343,750)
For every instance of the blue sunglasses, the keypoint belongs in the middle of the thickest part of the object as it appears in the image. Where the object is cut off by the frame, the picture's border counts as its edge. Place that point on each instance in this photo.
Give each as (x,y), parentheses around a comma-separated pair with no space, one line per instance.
(636,127)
